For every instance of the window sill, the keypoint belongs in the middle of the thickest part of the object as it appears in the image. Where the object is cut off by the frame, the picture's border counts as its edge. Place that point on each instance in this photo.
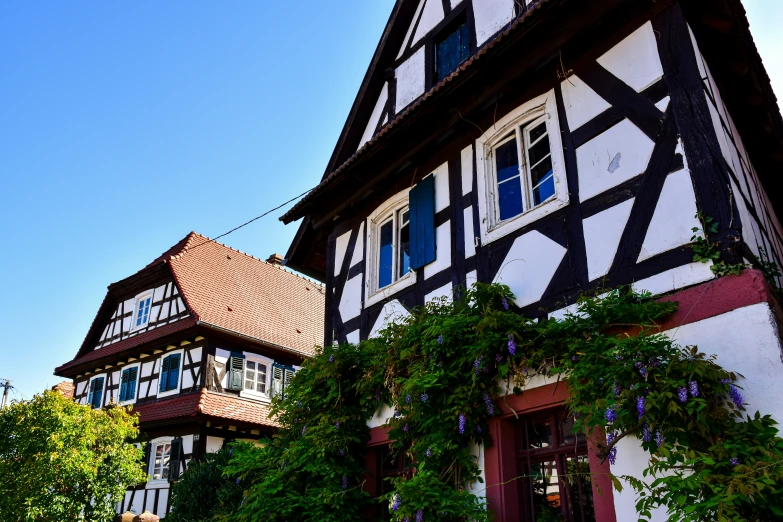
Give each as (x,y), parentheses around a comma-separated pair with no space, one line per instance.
(508,226)
(168,393)
(158,484)
(260,397)
(388,291)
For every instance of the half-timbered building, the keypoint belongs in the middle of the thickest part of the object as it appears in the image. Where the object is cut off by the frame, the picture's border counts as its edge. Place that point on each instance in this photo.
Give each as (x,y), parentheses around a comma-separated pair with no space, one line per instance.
(557,147)
(196,343)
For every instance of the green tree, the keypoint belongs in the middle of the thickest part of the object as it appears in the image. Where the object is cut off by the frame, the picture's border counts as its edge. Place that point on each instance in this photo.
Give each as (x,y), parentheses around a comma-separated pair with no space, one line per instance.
(63,461)
(203,492)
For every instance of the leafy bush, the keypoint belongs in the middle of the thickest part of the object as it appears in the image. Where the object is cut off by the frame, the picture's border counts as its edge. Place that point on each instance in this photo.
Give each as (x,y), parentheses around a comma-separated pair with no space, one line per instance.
(441,369)
(63,461)
(203,493)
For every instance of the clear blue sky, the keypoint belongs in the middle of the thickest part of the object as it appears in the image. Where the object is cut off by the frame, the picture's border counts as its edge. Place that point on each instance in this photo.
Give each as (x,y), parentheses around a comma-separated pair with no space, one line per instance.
(125,125)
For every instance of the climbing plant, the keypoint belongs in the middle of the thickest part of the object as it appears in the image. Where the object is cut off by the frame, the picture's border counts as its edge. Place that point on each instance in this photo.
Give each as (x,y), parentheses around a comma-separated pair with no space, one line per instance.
(443,370)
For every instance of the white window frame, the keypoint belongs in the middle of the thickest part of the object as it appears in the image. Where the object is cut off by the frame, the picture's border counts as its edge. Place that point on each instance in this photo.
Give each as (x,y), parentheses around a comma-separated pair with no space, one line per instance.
(156,483)
(491,227)
(141,297)
(103,391)
(176,390)
(390,208)
(119,383)
(252,394)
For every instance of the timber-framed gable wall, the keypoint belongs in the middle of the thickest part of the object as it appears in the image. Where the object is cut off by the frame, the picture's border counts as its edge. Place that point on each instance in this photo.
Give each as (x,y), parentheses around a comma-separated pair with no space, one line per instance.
(646,144)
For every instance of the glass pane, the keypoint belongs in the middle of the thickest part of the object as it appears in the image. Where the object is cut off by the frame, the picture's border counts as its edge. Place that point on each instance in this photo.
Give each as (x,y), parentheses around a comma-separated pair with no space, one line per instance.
(248,385)
(251,365)
(539,434)
(510,198)
(538,151)
(580,490)
(165,472)
(250,375)
(545,489)
(545,190)
(567,429)
(404,263)
(261,387)
(537,131)
(158,453)
(385,258)
(506,160)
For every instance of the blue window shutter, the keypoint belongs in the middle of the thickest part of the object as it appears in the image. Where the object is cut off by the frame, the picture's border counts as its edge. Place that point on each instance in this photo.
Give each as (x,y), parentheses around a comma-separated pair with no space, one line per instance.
(124,386)
(174,371)
(236,372)
(92,393)
(97,393)
(422,222)
(130,386)
(163,379)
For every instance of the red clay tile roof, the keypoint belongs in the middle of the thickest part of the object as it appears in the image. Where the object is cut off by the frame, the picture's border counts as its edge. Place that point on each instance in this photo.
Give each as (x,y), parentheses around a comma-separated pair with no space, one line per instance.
(240,293)
(235,292)
(214,405)
(66,388)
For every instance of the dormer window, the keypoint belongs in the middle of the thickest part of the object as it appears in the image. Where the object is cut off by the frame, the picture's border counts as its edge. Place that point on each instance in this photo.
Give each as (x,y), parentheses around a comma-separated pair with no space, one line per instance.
(141,314)
(452,48)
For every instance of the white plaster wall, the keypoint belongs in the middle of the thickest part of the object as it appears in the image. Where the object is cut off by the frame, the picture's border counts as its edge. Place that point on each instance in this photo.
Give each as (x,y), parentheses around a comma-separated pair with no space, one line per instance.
(351,300)
(353,337)
(675,278)
(674,218)
(442,249)
(441,187)
(410,29)
(410,80)
(635,59)
(582,103)
(443,291)
(602,237)
(432,15)
(163,501)
(381,417)
(380,105)
(214,444)
(470,234)
(466,161)
(490,17)
(595,158)
(529,266)
(358,251)
(391,311)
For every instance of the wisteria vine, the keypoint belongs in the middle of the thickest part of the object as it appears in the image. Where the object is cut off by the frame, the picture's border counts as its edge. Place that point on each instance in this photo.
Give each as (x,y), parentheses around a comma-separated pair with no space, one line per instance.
(441,373)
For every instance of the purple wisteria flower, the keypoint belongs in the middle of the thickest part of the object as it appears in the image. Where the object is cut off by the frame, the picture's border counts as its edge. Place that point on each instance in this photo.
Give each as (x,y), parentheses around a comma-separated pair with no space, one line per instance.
(647,435)
(406,428)
(640,406)
(377,395)
(643,372)
(612,456)
(504,302)
(428,453)
(397,503)
(337,425)
(693,386)
(424,397)
(734,461)
(238,481)
(617,390)
(489,403)
(408,399)
(736,398)
(477,365)
(419,516)
(512,346)
(659,438)
(478,429)
(462,422)
(611,414)
(304,430)
(331,358)
(342,452)
(498,358)
(440,339)
(345,482)
(682,392)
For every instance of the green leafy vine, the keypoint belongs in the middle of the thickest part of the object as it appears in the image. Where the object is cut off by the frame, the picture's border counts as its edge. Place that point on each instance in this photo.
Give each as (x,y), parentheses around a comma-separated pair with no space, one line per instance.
(443,371)
(705,250)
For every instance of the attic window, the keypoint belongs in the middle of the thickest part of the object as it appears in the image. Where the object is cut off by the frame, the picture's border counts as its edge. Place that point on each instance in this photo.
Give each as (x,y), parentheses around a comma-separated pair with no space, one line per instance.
(141,314)
(452,48)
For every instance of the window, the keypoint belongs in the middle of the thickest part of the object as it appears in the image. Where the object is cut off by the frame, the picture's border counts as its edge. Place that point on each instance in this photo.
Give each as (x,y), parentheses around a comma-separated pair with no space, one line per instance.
(95,397)
(141,314)
(128,381)
(161,461)
(394,260)
(553,460)
(168,382)
(451,49)
(521,169)
(281,376)
(255,376)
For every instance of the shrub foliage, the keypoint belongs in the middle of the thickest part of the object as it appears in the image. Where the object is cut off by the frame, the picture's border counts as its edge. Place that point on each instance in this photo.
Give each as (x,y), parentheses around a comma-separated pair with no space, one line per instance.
(444,370)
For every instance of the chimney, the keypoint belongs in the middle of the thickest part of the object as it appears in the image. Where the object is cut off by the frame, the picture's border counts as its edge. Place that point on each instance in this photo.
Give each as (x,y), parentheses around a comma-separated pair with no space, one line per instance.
(276,259)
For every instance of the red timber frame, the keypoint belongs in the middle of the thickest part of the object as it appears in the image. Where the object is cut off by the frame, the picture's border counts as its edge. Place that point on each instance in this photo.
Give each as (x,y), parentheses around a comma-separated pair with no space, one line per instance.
(697,303)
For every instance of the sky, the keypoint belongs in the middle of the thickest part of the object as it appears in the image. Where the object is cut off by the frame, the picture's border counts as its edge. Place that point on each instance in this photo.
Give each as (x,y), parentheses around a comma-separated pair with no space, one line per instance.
(125,125)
